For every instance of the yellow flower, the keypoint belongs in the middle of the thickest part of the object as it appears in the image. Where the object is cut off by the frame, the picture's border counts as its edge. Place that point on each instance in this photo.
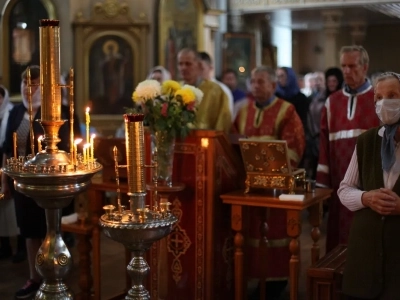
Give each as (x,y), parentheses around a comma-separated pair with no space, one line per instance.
(197,92)
(169,87)
(135,97)
(186,95)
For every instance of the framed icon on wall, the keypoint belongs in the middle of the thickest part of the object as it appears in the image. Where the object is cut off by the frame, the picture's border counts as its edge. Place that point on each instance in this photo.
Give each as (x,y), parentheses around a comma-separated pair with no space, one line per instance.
(239,55)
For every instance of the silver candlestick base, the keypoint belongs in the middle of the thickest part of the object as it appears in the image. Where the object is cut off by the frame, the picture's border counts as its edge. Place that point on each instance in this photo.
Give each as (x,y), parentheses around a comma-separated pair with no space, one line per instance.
(137,236)
(53,187)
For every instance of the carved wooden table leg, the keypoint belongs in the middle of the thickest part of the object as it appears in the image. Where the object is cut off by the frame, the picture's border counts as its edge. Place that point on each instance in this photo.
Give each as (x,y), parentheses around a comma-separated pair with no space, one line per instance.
(263,250)
(294,231)
(315,219)
(236,223)
(85,279)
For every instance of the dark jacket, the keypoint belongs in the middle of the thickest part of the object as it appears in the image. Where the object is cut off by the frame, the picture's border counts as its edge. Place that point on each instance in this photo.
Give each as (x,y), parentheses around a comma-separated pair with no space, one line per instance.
(373,258)
(15,118)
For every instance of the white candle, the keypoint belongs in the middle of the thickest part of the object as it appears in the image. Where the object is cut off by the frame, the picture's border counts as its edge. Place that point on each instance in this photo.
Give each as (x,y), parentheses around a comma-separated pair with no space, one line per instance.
(92,147)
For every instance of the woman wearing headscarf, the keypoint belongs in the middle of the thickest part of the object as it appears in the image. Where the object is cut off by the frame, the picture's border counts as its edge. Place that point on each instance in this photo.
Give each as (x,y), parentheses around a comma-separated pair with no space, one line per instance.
(159,73)
(288,89)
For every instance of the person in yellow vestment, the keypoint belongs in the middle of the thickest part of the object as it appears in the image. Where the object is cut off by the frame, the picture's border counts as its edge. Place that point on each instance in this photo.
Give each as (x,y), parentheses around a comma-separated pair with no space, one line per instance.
(265,116)
(213,112)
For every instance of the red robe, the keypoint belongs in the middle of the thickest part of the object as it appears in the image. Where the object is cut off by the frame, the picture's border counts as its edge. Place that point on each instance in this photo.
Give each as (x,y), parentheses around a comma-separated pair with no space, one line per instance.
(276,121)
(338,136)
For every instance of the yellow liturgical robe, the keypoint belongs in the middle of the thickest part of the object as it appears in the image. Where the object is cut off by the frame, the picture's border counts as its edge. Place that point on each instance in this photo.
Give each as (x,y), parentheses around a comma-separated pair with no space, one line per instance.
(213,112)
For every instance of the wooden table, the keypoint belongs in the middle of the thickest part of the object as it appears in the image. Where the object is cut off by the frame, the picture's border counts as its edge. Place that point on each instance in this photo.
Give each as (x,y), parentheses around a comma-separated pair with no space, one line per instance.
(312,202)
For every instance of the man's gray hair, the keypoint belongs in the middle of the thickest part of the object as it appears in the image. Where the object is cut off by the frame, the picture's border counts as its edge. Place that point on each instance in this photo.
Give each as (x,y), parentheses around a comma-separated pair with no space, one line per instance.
(386,75)
(270,71)
(364,58)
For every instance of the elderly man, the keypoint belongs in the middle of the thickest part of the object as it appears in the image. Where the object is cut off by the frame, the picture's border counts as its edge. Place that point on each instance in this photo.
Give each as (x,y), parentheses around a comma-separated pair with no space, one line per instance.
(267,117)
(213,111)
(347,113)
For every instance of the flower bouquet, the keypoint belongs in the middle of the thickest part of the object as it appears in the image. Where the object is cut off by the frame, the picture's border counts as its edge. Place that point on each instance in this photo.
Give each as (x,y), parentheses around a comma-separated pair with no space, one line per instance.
(169,111)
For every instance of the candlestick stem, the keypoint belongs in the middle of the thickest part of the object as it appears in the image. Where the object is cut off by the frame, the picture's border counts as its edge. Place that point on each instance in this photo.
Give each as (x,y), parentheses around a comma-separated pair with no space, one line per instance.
(15,144)
(71,113)
(30,111)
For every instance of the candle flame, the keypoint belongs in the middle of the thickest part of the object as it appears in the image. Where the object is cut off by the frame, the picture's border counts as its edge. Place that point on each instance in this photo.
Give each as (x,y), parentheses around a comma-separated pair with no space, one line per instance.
(40,138)
(87,109)
(93,136)
(77,141)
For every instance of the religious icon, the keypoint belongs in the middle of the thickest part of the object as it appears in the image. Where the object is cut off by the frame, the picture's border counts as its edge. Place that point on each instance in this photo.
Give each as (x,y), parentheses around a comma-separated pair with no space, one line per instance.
(110,75)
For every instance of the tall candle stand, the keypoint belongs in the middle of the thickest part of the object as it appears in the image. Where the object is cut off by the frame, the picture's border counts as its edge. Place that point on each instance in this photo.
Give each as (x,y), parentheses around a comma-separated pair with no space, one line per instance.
(138,227)
(51,177)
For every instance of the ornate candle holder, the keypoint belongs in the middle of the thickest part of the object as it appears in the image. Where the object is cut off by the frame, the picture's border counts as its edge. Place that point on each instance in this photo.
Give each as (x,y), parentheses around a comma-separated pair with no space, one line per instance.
(140,226)
(51,177)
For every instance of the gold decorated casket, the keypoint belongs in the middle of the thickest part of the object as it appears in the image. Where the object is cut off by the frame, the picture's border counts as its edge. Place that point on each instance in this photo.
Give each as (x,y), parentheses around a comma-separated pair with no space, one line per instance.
(267,165)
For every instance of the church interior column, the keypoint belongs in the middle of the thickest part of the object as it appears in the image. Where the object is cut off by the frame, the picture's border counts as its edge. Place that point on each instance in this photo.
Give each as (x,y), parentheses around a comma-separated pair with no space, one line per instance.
(358,31)
(332,19)
(281,37)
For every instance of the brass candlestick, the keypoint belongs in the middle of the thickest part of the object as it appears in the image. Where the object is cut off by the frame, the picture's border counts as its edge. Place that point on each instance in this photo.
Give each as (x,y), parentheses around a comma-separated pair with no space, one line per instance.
(51,177)
(140,226)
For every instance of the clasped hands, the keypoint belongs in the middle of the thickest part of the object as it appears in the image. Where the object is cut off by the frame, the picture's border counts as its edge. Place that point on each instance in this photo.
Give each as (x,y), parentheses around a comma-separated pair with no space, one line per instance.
(383,201)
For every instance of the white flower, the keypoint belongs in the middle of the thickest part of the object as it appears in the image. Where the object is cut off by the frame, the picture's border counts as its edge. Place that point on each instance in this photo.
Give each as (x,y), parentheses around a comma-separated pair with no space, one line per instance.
(197,92)
(148,89)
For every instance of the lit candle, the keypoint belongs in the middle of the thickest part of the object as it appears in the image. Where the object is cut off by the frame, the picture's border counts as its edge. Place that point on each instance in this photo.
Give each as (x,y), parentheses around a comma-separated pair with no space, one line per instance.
(39,141)
(87,124)
(15,144)
(75,155)
(92,147)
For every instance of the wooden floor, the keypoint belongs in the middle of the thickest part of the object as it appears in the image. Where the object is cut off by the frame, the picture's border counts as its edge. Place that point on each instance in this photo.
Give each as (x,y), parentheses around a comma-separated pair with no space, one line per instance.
(13,276)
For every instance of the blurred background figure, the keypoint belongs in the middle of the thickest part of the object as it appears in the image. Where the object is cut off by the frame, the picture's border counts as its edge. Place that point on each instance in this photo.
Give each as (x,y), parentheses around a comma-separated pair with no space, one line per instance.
(159,73)
(288,90)
(208,67)
(8,220)
(309,84)
(333,81)
(230,78)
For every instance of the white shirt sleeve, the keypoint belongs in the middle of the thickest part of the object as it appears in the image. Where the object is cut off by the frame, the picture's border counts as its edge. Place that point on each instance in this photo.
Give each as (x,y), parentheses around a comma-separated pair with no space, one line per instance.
(349,192)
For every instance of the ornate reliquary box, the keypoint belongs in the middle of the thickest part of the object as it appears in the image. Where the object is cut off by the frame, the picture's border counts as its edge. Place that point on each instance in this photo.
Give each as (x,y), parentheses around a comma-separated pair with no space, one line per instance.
(267,165)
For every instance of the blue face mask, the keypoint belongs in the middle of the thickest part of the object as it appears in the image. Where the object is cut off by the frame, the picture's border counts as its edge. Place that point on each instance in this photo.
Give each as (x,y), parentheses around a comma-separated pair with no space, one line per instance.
(388,110)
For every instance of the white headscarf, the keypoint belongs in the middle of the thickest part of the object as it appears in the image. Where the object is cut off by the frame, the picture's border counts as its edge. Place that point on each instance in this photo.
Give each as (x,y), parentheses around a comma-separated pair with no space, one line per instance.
(166,75)
(36,98)
(5,108)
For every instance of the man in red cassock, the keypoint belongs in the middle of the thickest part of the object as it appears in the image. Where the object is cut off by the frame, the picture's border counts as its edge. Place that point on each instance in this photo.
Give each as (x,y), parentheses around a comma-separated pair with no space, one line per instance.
(267,117)
(347,113)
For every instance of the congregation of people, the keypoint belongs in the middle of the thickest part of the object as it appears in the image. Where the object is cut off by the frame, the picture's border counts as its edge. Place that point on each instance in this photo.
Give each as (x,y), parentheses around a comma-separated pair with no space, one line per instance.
(332,123)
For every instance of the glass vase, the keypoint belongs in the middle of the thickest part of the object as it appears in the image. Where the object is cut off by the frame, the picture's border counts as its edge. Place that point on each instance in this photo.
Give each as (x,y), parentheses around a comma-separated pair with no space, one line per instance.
(163,145)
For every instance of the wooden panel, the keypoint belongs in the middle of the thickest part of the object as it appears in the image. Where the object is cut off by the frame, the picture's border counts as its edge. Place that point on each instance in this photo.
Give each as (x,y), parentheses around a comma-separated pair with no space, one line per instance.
(200,248)
(324,279)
